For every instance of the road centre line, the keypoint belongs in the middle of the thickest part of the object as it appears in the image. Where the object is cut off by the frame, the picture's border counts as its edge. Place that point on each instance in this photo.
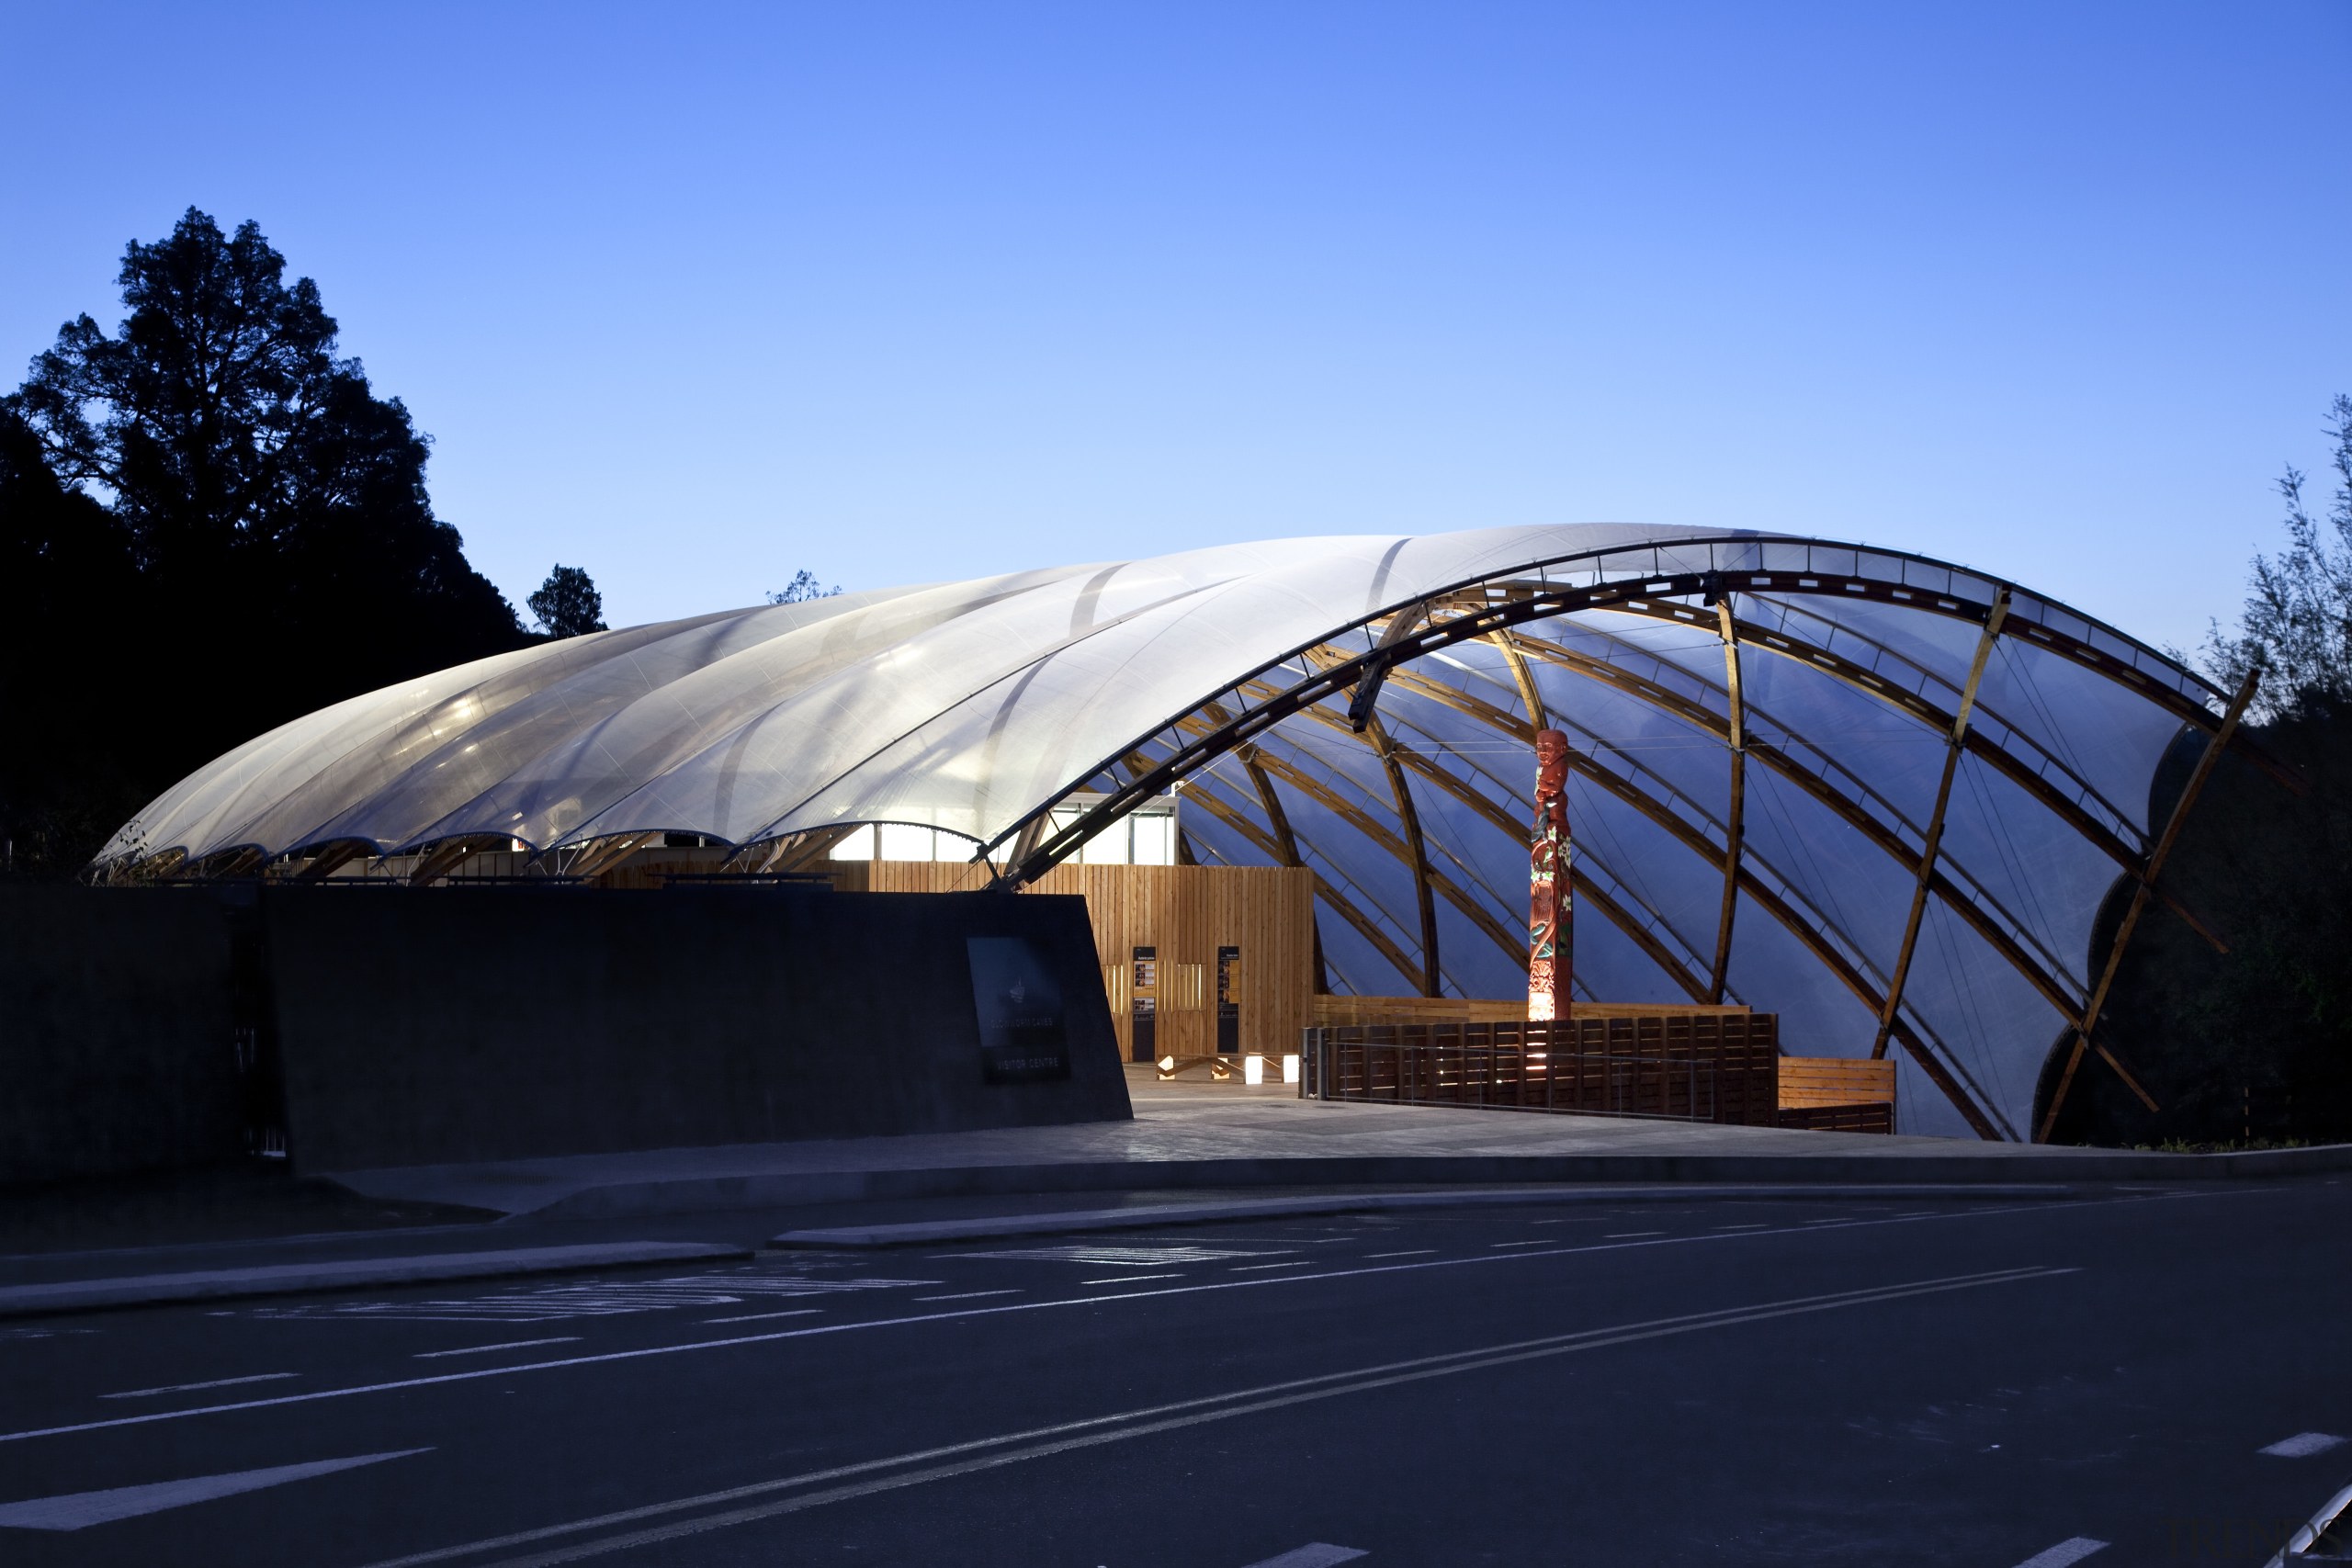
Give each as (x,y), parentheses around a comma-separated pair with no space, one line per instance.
(1094,1431)
(972,1295)
(1416,1252)
(813,1330)
(509,1345)
(763,1316)
(1130,1278)
(2070,1551)
(1259,1267)
(1628,1235)
(192,1387)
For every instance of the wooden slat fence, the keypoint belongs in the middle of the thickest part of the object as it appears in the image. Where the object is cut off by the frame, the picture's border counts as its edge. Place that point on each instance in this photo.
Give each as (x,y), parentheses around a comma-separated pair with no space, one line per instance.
(1699,1067)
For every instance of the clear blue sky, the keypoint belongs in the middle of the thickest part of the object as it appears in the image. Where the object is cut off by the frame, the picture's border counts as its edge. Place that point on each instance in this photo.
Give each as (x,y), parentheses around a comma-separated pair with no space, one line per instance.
(693,296)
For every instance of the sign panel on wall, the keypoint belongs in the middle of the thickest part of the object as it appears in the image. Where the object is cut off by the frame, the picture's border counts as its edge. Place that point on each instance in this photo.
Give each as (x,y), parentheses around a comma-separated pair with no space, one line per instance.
(1023,1038)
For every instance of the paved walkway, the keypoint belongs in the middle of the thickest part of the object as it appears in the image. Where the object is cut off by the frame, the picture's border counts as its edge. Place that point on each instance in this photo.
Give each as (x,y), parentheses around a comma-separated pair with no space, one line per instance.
(1231,1136)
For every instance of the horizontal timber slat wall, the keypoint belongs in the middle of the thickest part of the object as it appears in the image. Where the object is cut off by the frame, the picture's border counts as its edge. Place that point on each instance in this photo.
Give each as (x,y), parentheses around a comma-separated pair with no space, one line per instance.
(1183,912)
(1699,1064)
(1838,1094)
(1331,1010)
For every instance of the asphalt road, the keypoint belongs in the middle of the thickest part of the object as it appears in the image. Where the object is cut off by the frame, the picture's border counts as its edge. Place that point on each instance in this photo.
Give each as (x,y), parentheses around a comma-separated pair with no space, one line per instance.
(1984,1384)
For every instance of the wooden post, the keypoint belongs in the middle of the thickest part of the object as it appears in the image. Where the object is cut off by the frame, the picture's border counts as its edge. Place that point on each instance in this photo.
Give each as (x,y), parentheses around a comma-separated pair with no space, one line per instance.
(1549,953)
(2140,896)
(1734,819)
(1933,844)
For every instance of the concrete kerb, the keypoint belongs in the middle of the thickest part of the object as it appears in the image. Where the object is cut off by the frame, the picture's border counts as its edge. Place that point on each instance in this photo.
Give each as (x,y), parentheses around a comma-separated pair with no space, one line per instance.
(293,1279)
(1153,1215)
(783,1189)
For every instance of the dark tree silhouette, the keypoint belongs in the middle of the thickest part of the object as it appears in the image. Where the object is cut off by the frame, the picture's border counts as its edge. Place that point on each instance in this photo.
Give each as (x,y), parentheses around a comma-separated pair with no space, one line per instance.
(567,603)
(2255,1043)
(271,509)
(2296,623)
(802,588)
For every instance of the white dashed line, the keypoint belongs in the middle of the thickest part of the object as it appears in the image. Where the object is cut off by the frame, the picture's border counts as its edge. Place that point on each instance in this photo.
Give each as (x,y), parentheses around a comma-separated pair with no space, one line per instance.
(192,1387)
(1751,1226)
(1502,1243)
(1628,1235)
(1417,1252)
(763,1316)
(2073,1550)
(970,1295)
(1130,1278)
(1314,1554)
(1253,1268)
(2303,1445)
(509,1345)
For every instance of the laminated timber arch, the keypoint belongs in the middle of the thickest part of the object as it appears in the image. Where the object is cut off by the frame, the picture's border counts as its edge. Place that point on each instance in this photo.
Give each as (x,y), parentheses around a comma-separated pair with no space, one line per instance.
(1778,799)
(1499,611)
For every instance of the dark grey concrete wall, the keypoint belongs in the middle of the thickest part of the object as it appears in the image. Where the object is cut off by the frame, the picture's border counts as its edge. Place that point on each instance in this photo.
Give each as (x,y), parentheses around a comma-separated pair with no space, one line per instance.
(451,1024)
(117,1047)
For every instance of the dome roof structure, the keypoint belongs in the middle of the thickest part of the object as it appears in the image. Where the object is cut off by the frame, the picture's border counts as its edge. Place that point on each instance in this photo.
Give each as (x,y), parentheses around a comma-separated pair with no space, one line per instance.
(1762,730)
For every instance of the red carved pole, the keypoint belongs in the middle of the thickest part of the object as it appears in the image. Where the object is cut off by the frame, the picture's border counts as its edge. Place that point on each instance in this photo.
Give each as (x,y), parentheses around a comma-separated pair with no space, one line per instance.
(1549,934)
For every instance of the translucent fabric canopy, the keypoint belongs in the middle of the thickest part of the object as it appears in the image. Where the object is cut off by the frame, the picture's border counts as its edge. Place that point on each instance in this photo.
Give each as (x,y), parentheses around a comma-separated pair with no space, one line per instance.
(1770,714)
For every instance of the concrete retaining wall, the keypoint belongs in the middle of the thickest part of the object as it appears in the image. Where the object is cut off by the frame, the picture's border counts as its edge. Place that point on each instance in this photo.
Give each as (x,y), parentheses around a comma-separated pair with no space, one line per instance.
(117,1049)
(149,1029)
(455,1024)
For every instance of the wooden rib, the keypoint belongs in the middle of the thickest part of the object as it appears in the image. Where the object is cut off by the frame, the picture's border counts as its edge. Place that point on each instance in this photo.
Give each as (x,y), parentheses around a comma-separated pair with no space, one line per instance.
(331,857)
(2088,1023)
(1523,675)
(1931,844)
(1735,819)
(1364,925)
(2017,770)
(1965,904)
(447,855)
(1409,817)
(1785,914)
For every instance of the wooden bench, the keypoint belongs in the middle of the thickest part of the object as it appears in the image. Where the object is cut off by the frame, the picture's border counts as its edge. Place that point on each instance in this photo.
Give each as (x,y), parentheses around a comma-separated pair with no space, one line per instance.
(1838,1094)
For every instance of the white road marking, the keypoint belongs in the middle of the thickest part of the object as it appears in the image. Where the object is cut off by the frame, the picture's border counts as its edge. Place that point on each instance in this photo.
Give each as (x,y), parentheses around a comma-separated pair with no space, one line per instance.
(1751,1226)
(79,1510)
(590,1298)
(763,1316)
(1097,1430)
(1254,1268)
(509,1345)
(2072,1550)
(2303,1445)
(970,1295)
(1314,1554)
(1628,1235)
(192,1387)
(1131,1279)
(1498,1245)
(1416,1252)
(1573,1251)
(1135,1257)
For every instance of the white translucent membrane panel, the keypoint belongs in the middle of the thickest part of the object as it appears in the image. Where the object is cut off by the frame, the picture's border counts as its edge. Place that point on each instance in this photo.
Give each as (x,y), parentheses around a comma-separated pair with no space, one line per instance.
(902,840)
(1995,1031)
(1654,875)
(1155,839)
(558,792)
(857,844)
(2043,873)
(1774,970)
(1857,887)
(1025,696)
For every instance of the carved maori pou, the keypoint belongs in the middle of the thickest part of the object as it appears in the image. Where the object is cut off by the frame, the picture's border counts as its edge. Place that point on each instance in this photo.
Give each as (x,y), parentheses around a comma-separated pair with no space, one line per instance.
(1548,898)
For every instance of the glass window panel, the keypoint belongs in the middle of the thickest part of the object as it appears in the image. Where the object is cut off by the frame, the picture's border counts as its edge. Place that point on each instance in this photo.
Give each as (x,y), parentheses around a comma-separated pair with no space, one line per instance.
(902,840)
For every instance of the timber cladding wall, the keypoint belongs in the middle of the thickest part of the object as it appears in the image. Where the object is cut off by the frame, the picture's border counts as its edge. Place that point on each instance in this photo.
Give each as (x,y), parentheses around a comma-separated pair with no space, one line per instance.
(1184,913)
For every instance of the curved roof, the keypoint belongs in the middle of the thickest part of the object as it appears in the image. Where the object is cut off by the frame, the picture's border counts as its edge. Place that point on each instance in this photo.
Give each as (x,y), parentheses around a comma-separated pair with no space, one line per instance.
(1362,707)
